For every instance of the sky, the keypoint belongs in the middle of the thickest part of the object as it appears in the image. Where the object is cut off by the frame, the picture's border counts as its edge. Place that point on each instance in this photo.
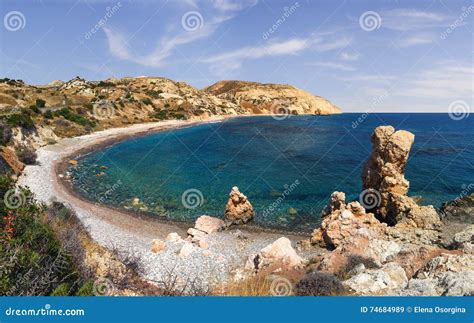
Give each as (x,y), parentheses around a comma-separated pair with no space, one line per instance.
(364,56)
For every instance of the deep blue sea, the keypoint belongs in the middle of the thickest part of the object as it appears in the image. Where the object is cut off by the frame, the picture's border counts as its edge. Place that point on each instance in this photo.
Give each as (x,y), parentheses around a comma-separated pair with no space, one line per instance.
(287,168)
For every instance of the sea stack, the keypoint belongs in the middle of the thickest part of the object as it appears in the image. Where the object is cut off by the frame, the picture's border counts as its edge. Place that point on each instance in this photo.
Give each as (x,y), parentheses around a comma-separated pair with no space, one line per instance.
(385,188)
(238,209)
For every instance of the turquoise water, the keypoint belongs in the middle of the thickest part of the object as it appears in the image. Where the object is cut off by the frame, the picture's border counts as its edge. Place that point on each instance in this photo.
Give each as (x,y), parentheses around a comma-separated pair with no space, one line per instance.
(287,168)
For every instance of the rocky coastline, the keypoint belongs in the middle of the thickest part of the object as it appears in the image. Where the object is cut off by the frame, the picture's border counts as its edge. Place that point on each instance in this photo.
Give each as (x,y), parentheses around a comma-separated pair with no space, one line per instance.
(383,244)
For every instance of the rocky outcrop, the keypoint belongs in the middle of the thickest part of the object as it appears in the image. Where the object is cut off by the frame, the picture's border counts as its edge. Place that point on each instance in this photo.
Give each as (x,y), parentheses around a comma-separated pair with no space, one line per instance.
(259,98)
(384,185)
(157,246)
(280,254)
(445,275)
(386,280)
(209,224)
(238,209)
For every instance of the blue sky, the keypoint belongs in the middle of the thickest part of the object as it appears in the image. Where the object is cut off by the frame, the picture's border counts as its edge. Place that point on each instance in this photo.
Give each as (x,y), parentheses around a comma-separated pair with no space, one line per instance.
(384,55)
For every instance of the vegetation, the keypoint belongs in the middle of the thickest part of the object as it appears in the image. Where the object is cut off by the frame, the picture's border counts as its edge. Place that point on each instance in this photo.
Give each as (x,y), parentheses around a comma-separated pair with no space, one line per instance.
(32,260)
(22,119)
(26,155)
(67,114)
(319,283)
(40,103)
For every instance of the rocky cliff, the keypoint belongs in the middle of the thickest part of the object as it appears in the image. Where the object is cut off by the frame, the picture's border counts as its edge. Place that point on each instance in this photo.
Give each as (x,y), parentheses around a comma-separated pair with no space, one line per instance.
(259,98)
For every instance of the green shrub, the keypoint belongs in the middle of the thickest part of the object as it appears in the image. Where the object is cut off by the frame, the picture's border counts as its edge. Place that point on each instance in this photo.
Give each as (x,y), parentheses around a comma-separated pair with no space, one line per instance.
(22,119)
(32,260)
(61,290)
(40,103)
(48,115)
(87,289)
(73,117)
(147,101)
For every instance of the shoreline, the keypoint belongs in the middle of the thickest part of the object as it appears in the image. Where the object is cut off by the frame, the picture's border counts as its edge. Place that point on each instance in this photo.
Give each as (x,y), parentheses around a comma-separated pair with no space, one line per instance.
(130,232)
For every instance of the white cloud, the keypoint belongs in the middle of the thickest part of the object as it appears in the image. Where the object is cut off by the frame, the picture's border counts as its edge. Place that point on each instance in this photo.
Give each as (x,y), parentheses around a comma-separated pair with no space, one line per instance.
(335,66)
(412,19)
(233,59)
(446,80)
(350,57)
(119,46)
(416,39)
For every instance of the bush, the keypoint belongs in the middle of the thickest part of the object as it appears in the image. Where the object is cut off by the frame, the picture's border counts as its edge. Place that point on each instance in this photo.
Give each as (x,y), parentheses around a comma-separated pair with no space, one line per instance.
(61,290)
(318,283)
(32,260)
(351,263)
(87,289)
(21,120)
(73,117)
(5,134)
(147,101)
(35,109)
(40,103)
(48,115)
(26,155)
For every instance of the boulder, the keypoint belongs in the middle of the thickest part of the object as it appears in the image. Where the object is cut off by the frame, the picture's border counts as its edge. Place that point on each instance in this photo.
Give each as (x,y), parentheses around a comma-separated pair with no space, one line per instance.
(238,209)
(279,253)
(186,249)
(157,245)
(384,185)
(209,224)
(173,237)
(386,280)
(445,275)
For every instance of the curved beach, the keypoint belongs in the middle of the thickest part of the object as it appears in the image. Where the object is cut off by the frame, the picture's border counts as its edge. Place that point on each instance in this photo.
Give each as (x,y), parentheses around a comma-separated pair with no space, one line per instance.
(125,232)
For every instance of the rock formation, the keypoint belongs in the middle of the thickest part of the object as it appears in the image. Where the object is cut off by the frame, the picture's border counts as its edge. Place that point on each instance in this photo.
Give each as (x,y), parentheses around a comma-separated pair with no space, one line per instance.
(279,253)
(209,224)
(238,209)
(384,184)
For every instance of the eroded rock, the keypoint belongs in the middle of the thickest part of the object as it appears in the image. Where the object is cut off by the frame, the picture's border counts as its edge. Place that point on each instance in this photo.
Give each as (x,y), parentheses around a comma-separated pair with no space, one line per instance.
(158,246)
(384,182)
(209,224)
(238,209)
(279,253)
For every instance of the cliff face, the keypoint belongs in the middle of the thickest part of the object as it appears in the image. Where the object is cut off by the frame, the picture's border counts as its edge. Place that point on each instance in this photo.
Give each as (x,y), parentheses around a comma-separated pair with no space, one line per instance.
(259,98)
